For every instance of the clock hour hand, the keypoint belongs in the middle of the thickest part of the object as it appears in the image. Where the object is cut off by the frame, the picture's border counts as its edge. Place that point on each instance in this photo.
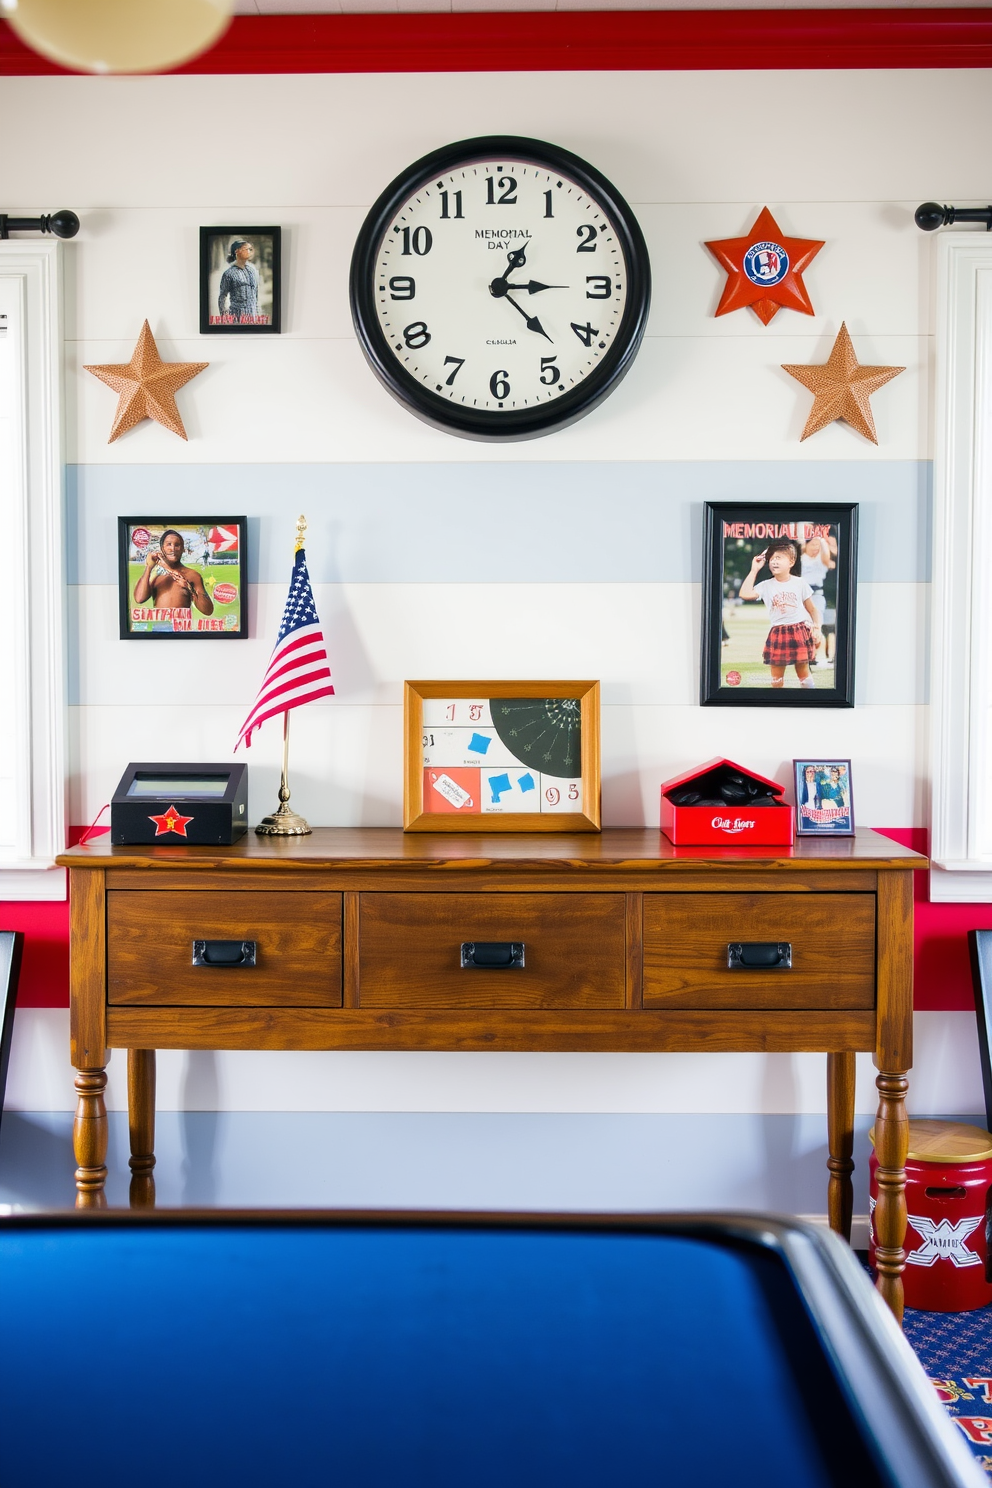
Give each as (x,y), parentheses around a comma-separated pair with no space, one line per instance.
(516,259)
(533,324)
(533,287)
(498,289)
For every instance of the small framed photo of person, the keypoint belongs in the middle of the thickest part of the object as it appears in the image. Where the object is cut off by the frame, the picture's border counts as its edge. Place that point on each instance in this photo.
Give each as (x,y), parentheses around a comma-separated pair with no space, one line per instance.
(779,587)
(240,280)
(824,799)
(183,578)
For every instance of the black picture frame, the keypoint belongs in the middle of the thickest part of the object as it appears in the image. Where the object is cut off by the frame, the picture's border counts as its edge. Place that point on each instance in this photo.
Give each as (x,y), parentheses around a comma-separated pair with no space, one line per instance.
(814,818)
(980,946)
(137,538)
(734,673)
(217,253)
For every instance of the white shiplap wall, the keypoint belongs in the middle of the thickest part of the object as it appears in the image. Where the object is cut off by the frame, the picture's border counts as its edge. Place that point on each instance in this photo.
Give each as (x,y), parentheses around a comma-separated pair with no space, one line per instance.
(844,157)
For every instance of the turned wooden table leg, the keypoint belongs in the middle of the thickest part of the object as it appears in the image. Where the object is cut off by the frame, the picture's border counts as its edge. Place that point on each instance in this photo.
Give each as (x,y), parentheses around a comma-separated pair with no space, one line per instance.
(840,1142)
(89,1139)
(891,1146)
(141,1126)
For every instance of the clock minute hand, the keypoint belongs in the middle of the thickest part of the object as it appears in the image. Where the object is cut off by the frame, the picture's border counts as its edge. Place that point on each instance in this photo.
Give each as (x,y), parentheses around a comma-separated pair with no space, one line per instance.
(533,287)
(533,324)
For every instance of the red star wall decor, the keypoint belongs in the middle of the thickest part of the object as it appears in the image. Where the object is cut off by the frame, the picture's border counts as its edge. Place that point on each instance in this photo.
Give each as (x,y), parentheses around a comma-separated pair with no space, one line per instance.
(765,270)
(170,821)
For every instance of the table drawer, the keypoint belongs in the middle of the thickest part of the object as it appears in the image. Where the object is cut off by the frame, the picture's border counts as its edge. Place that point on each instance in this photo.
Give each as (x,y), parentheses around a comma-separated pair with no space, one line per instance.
(410,950)
(687,936)
(150,935)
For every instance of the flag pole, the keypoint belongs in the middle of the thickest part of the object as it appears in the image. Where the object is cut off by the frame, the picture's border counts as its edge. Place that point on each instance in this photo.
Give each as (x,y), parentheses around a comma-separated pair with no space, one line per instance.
(283,822)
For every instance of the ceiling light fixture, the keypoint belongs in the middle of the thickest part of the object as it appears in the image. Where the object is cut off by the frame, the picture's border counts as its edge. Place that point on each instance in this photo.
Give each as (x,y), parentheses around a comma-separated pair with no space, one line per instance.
(118,35)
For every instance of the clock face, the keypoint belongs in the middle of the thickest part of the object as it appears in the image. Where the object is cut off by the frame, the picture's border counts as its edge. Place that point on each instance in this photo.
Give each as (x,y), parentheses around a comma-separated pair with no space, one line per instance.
(500,288)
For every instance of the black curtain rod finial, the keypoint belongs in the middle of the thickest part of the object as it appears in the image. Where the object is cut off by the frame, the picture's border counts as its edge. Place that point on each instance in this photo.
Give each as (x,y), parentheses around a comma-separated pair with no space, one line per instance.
(62,224)
(932,215)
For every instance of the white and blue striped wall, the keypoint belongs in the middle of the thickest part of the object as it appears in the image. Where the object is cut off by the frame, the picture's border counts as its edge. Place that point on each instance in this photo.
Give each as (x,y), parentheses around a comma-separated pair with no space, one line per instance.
(578,554)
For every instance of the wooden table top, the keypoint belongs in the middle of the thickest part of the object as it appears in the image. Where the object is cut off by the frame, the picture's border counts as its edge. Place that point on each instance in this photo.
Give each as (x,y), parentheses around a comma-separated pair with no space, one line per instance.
(640,848)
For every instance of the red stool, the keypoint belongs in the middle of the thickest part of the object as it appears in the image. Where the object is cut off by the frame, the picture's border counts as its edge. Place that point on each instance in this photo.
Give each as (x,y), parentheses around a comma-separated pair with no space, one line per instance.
(948,1183)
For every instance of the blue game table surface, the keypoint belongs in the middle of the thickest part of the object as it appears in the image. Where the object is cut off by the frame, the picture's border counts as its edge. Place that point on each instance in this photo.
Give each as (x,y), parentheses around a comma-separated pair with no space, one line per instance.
(444,1351)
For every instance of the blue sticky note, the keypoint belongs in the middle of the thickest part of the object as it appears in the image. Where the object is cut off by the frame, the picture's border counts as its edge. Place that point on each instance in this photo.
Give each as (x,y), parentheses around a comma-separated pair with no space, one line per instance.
(498,784)
(479,743)
(526,782)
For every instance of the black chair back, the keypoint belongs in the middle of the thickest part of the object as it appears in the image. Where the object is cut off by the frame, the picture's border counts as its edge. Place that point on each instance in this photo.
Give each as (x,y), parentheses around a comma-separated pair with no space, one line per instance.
(980,942)
(11,943)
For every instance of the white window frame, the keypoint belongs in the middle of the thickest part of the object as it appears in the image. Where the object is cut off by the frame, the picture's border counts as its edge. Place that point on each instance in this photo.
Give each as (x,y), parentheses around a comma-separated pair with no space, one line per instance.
(34,271)
(961,658)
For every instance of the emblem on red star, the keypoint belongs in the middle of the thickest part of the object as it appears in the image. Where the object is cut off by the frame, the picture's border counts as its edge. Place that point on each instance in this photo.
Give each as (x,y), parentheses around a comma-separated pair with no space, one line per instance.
(170,821)
(765,270)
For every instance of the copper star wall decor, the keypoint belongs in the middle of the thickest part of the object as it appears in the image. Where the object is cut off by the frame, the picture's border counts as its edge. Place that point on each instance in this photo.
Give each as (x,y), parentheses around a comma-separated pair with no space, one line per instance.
(841,388)
(764,270)
(147,386)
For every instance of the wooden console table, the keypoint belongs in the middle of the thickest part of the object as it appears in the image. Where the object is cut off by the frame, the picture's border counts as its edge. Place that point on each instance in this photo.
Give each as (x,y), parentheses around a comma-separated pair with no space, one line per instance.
(367,938)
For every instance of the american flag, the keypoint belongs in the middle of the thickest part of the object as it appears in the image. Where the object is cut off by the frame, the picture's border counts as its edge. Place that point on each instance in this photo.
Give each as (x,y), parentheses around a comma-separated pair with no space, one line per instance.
(298,671)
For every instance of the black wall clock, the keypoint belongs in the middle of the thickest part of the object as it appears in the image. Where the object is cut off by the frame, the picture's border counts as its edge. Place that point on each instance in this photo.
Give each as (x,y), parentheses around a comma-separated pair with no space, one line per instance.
(500,288)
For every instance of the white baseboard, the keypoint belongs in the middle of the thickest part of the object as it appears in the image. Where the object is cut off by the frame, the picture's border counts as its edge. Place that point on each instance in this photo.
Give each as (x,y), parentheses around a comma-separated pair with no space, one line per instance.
(859,1228)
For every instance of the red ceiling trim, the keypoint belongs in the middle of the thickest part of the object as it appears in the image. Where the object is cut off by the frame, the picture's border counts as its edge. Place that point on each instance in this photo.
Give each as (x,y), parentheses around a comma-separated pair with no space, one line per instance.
(581,41)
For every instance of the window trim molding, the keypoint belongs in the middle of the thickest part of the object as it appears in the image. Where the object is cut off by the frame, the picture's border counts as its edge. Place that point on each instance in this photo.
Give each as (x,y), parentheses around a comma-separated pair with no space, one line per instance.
(40,649)
(960,697)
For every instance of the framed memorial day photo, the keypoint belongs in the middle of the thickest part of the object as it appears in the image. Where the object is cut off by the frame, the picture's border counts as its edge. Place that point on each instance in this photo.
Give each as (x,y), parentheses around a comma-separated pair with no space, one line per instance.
(240,280)
(824,798)
(779,587)
(501,757)
(182,578)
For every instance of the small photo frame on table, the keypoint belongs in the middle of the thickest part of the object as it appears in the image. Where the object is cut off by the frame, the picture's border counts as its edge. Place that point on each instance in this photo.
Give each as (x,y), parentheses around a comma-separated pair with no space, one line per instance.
(501,757)
(183,578)
(779,588)
(824,798)
(240,281)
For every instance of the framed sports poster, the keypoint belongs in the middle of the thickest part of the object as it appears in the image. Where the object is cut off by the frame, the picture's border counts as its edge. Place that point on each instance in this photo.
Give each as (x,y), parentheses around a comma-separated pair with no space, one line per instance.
(779,587)
(183,578)
(240,280)
(501,757)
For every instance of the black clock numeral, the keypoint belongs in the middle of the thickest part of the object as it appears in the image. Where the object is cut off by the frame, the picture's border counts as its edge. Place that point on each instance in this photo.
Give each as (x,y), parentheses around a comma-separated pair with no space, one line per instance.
(419,241)
(458,205)
(508,186)
(417,335)
(587,236)
(402,287)
(550,371)
(499,385)
(602,287)
(459,364)
(547,205)
(586,333)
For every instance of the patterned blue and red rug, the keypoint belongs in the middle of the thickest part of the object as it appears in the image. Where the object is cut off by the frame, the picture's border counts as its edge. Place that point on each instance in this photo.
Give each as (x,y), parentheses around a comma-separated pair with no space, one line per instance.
(955,1349)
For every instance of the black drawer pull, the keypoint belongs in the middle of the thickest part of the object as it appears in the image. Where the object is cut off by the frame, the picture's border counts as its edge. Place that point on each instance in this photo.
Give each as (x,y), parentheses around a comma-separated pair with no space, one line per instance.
(759,955)
(223,953)
(492,955)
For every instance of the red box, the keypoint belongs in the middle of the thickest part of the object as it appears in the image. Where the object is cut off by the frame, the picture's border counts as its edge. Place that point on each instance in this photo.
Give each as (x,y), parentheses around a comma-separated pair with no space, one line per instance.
(766,826)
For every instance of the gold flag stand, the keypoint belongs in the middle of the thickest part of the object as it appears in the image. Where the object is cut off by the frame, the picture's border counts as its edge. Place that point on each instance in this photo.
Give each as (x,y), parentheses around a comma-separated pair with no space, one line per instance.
(283,822)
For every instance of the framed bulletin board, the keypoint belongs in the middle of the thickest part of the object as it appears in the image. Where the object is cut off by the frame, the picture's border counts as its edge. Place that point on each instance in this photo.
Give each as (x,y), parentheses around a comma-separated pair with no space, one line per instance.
(501,757)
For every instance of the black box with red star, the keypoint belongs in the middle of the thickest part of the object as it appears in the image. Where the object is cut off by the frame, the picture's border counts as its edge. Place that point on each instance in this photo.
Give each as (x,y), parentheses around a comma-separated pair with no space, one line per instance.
(162,803)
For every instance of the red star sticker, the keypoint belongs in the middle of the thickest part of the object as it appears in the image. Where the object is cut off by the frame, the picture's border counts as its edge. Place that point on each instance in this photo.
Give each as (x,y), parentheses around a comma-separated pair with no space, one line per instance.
(768,278)
(170,821)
